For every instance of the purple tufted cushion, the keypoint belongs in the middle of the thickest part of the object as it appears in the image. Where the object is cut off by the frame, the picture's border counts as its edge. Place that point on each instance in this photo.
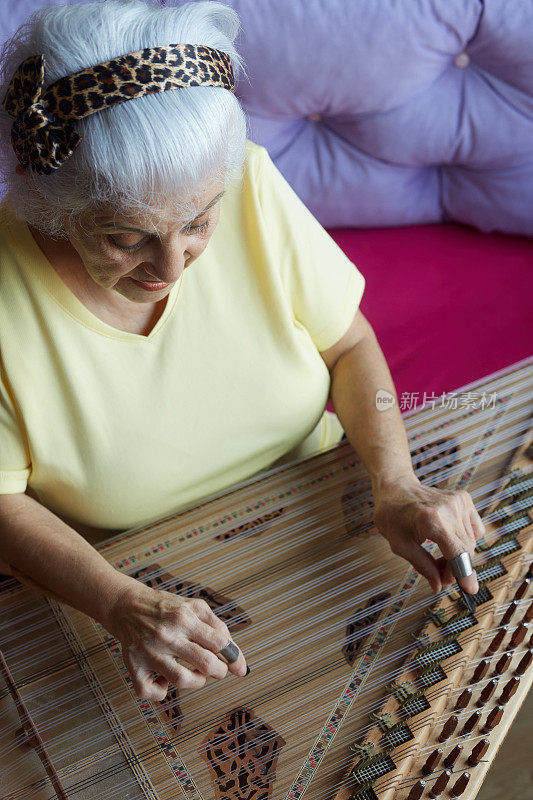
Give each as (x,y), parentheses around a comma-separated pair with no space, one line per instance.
(426,108)
(389,112)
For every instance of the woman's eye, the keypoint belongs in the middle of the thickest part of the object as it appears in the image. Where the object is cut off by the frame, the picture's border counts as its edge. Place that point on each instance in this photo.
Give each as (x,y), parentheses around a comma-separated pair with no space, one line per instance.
(126,242)
(197,228)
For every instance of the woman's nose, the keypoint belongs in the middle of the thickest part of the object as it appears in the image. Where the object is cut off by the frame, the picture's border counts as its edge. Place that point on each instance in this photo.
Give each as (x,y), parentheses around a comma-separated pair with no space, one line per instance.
(168,262)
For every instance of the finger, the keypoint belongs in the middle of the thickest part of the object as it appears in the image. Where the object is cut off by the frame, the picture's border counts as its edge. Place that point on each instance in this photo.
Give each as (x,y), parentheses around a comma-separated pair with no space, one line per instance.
(202,660)
(471,520)
(469,532)
(446,575)
(206,614)
(179,675)
(239,666)
(477,524)
(423,562)
(439,527)
(470,582)
(214,637)
(473,516)
(445,571)
(453,532)
(148,686)
(453,539)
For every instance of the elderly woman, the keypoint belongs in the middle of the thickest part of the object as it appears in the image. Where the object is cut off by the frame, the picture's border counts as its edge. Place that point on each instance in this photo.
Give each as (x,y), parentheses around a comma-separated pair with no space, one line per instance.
(172,321)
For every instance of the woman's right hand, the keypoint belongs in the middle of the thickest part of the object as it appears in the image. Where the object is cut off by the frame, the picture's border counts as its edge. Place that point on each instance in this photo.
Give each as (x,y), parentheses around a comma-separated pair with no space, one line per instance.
(168,639)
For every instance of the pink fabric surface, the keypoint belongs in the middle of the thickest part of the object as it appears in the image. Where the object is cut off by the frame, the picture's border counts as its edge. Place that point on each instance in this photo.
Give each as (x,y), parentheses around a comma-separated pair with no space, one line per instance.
(449,305)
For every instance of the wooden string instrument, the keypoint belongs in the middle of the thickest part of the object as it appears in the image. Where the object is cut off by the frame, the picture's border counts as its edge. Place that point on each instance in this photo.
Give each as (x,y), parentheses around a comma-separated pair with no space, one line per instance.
(363,684)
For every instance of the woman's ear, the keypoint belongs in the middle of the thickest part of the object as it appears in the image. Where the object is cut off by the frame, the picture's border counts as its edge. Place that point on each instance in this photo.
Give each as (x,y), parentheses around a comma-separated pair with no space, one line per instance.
(19,169)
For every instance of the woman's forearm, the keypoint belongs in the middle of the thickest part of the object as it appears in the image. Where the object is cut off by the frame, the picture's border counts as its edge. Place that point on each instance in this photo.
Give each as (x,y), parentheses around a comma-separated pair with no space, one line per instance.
(406,512)
(154,628)
(45,553)
(377,434)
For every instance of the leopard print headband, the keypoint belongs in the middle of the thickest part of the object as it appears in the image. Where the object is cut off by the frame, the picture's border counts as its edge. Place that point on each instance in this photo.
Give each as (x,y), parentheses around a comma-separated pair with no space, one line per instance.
(42,135)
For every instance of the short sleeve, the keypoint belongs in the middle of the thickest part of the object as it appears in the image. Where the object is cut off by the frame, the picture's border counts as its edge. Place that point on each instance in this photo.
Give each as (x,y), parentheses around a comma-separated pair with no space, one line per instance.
(324,286)
(15,464)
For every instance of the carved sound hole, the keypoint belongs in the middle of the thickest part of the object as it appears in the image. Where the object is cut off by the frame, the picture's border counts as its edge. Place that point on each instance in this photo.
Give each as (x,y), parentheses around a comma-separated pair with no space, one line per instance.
(171,708)
(241,754)
(357,623)
(249,526)
(446,456)
(233,615)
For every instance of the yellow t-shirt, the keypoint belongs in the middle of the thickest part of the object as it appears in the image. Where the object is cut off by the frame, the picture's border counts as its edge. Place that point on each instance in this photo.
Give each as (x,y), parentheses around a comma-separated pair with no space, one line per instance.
(112,429)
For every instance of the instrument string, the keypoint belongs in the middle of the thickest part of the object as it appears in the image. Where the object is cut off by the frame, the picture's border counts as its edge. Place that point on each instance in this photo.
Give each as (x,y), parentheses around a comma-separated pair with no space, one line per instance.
(178,562)
(313,637)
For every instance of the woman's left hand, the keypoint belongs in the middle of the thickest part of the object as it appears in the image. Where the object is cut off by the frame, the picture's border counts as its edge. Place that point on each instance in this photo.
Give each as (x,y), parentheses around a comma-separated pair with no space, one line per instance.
(407,513)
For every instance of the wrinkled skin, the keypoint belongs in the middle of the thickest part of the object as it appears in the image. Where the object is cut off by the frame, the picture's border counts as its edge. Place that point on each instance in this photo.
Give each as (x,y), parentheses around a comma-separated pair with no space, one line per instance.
(407,513)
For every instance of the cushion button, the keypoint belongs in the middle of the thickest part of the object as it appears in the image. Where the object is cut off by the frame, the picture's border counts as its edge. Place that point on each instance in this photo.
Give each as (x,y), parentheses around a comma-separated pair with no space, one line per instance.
(462,60)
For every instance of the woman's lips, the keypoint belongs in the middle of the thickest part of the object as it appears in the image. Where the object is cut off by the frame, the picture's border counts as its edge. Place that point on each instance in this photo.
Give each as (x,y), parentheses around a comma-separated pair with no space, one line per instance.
(151,286)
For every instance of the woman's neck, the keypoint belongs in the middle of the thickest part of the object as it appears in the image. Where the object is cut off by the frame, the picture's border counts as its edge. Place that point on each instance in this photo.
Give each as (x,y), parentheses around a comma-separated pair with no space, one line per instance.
(109,306)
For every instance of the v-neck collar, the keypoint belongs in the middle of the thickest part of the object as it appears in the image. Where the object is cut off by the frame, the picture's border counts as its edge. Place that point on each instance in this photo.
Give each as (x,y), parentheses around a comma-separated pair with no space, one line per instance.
(33,259)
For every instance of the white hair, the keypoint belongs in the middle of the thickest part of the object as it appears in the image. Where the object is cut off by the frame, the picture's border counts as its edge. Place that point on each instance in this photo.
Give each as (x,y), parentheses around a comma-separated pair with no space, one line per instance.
(141,155)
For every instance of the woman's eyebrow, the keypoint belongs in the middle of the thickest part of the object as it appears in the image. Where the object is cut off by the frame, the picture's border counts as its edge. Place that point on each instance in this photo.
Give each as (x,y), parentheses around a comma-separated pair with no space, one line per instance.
(124,228)
(212,203)
(148,233)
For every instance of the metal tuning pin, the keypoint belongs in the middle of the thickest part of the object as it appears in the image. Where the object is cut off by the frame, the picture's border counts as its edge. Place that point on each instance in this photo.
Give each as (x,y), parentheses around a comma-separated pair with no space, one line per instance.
(432,761)
(488,691)
(463,700)
(522,589)
(509,689)
(449,726)
(503,663)
(452,757)
(417,791)
(481,670)
(494,646)
(511,608)
(519,635)
(460,785)
(494,718)
(471,723)
(528,616)
(478,752)
(440,784)
(524,662)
